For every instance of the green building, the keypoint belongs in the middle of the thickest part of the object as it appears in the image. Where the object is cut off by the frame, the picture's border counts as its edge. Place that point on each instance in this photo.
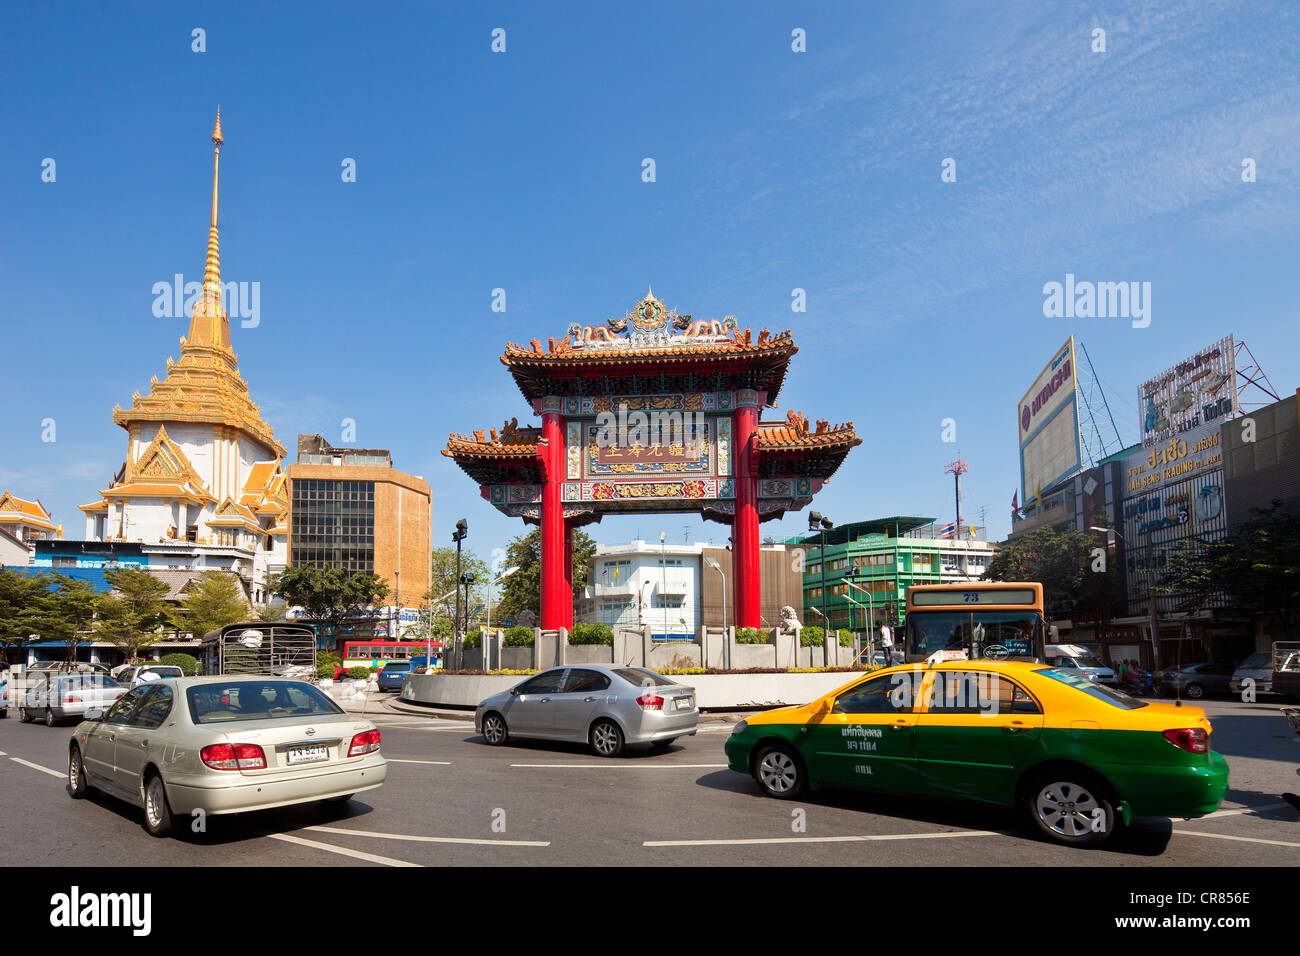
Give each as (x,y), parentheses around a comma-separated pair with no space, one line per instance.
(869,565)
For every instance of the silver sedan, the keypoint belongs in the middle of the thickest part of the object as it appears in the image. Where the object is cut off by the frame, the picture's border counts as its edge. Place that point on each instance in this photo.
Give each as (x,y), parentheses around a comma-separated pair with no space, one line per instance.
(596,704)
(223,745)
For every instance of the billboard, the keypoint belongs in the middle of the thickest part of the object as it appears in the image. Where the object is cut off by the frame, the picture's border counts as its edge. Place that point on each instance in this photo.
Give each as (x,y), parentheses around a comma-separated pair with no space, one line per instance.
(1198,391)
(1050,448)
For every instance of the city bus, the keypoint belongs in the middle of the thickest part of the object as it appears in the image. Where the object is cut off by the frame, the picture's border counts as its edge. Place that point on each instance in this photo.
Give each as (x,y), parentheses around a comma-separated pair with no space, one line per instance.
(993,620)
(375,653)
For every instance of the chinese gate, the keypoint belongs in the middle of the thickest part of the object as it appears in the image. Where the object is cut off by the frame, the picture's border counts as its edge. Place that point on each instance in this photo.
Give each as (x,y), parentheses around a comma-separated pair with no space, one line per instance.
(652,413)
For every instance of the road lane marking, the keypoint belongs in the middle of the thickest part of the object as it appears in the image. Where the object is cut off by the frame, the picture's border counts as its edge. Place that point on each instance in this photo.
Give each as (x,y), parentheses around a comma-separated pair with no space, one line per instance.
(1231,813)
(36,766)
(412,838)
(1239,839)
(829,839)
(622,766)
(343,851)
(440,763)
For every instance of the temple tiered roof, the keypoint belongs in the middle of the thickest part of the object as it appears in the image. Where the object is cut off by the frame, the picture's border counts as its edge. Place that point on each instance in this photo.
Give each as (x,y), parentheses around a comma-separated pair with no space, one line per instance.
(204,385)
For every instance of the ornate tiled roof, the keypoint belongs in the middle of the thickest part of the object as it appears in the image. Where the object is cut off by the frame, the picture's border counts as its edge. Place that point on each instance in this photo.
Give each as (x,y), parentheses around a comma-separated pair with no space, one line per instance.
(15,510)
(794,434)
(510,442)
(650,339)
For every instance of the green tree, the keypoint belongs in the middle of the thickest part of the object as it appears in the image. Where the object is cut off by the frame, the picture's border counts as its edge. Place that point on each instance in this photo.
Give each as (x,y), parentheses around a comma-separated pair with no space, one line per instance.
(134,612)
(1258,565)
(212,601)
(329,595)
(444,580)
(1058,560)
(523,589)
(271,613)
(67,612)
(22,606)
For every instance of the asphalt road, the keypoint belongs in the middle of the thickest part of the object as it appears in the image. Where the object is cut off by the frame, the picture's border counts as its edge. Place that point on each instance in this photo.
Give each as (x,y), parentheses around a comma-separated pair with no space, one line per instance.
(452,800)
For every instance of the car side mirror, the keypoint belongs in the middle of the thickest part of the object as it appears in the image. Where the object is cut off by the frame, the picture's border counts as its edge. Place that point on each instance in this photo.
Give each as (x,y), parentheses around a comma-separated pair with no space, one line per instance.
(514,691)
(95,713)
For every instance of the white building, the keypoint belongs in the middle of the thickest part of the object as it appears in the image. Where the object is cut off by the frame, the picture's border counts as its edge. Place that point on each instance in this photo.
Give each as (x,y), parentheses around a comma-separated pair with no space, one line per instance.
(642,583)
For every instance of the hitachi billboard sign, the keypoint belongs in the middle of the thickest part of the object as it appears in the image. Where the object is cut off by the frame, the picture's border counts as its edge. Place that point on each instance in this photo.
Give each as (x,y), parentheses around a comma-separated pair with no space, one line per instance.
(1054,385)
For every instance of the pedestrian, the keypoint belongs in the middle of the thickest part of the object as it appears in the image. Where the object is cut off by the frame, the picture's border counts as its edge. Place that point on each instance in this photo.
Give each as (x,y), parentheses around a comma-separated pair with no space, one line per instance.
(1123,671)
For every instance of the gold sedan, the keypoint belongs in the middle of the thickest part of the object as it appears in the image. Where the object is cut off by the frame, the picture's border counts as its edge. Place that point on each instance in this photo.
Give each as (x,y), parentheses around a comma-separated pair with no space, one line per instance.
(219,745)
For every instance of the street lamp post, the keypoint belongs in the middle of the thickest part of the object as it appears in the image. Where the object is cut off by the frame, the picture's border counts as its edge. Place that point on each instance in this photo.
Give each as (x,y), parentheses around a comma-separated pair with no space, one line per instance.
(462,529)
(816,522)
(726,644)
(487,631)
(663,578)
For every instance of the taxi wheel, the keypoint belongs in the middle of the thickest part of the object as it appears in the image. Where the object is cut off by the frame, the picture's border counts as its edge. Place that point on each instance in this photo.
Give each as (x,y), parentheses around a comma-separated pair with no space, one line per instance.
(1071,808)
(494,730)
(780,772)
(157,812)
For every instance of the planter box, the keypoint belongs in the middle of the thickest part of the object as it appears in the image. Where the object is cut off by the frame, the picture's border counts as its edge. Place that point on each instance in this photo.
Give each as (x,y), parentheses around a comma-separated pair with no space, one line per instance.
(712,691)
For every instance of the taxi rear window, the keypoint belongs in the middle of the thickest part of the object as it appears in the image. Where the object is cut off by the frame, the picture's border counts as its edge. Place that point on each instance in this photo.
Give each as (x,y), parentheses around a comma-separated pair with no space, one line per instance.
(1115,698)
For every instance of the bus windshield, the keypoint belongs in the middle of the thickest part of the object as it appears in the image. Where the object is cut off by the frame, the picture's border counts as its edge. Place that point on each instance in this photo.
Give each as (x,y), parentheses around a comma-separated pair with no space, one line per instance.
(1002,635)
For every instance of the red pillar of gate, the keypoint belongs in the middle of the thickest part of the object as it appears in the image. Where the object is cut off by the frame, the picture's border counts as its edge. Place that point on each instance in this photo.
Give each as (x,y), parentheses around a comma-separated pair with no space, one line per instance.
(744,524)
(555,593)
(568,576)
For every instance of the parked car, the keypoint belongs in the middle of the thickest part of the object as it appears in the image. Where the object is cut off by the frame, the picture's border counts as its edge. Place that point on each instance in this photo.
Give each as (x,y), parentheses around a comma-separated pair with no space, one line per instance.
(393,675)
(223,745)
(1286,678)
(1080,660)
(1077,758)
(1257,667)
(133,676)
(596,704)
(1194,681)
(56,696)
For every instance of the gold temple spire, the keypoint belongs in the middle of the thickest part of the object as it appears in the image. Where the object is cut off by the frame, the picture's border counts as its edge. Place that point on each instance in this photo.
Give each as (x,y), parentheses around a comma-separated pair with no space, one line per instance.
(209,324)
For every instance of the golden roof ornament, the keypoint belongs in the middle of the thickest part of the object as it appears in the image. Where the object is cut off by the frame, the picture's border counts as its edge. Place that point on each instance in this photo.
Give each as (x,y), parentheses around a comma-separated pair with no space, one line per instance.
(217,141)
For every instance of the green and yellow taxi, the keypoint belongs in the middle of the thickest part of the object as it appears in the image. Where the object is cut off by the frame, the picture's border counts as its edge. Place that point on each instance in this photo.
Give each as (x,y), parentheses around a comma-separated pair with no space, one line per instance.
(1079,758)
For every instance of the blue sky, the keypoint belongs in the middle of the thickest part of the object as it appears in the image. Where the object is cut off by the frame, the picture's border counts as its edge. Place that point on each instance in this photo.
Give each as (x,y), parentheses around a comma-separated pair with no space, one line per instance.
(522,170)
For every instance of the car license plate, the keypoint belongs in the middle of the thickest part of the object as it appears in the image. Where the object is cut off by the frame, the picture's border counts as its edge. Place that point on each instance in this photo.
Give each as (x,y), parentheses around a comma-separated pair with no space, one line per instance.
(310,754)
(685,703)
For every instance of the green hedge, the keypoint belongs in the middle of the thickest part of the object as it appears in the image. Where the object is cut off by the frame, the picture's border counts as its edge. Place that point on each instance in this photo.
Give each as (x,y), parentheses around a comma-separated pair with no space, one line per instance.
(358,673)
(750,635)
(473,639)
(188,664)
(814,636)
(519,637)
(585,633)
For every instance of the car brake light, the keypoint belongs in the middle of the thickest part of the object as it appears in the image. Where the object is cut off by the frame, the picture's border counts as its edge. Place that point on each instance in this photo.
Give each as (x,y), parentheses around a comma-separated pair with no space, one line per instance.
(72,699)
(651,701)
(1192,739)
(233,757)
(364,743)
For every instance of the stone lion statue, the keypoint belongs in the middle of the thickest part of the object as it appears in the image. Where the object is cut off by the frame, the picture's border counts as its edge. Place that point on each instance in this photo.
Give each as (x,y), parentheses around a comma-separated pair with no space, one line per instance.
(789,622)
